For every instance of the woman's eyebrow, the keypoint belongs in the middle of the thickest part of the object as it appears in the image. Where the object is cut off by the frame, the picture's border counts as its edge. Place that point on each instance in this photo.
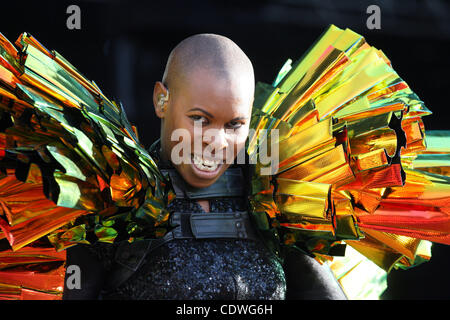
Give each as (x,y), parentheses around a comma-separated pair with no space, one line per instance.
(239,118)
(200,109)
(211,116)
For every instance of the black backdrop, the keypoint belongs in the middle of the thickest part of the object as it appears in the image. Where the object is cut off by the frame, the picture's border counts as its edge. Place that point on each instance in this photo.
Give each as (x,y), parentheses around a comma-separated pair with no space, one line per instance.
(123,47)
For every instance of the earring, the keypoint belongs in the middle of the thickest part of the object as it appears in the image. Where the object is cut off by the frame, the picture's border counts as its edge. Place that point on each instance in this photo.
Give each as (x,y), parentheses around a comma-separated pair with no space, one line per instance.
(162,100)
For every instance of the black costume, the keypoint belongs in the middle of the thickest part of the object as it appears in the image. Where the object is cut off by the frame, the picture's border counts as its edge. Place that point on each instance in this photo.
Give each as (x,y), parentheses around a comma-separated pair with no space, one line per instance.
(226,259)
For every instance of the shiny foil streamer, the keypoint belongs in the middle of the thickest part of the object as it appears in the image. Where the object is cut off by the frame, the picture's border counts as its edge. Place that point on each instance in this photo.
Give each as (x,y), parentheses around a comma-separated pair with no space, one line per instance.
(355,126)
(71,166)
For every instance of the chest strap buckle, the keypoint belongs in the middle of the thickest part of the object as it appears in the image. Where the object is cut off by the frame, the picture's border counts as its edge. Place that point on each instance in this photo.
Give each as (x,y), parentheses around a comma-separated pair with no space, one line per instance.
(233,225)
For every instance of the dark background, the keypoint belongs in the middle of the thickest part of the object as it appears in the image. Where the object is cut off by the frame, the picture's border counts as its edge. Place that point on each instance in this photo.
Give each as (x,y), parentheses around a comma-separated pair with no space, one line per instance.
(123,46)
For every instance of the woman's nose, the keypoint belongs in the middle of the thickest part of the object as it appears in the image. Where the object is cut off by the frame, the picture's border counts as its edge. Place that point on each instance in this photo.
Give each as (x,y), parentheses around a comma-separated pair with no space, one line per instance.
(216,139)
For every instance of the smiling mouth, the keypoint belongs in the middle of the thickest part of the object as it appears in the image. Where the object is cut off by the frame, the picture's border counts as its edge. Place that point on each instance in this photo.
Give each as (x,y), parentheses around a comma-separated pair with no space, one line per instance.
(205,165)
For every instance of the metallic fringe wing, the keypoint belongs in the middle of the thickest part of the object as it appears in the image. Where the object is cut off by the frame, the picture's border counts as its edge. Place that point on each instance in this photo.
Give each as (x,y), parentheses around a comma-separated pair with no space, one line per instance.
(353,168)
(72,170)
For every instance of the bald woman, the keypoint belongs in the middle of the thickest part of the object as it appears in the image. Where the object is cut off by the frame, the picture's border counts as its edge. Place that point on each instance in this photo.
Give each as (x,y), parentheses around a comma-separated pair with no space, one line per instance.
(204,102)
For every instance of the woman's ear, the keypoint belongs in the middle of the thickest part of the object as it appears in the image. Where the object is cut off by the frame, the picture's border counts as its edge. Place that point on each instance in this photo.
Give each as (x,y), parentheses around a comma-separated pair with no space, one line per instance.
(160,99)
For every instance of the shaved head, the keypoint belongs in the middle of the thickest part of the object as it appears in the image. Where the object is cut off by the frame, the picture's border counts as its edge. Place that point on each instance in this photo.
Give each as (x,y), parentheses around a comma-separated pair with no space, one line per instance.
(215,54)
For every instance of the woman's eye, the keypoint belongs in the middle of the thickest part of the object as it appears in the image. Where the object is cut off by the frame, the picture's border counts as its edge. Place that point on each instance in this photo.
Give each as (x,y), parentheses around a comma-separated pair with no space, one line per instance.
(202,119)
(234,125)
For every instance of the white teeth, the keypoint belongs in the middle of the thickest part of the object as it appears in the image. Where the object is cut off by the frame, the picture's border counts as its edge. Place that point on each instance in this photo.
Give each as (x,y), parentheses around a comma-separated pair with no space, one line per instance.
(204,164)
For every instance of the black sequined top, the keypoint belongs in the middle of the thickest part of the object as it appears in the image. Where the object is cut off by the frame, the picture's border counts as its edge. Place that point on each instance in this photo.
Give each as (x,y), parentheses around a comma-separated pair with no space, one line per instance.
(206,269)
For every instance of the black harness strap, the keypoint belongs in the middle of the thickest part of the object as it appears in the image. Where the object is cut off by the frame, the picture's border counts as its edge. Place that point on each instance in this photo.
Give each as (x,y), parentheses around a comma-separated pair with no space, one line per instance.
(130,256)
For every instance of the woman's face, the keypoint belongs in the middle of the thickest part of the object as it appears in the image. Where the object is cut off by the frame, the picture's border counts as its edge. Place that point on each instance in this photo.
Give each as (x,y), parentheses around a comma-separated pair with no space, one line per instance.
(205,124)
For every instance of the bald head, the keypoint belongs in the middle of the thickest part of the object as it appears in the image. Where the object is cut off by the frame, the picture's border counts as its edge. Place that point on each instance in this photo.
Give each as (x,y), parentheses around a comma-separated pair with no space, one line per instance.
(211,53)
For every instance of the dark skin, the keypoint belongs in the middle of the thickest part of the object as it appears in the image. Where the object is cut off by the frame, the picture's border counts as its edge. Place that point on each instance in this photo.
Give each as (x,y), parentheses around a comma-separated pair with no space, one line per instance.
(220,104)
